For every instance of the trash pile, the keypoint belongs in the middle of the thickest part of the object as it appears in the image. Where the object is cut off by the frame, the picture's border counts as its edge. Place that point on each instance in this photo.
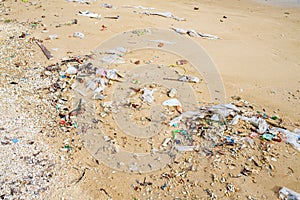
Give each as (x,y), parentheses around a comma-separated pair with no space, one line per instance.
(227,124)
(207,131)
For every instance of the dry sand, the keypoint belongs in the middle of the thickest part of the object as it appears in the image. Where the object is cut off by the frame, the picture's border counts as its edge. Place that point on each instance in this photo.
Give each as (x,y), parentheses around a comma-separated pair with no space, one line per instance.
(258,60)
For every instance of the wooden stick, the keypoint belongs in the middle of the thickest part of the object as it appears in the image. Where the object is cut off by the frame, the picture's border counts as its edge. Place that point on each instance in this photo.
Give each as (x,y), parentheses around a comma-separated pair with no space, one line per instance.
(45,50)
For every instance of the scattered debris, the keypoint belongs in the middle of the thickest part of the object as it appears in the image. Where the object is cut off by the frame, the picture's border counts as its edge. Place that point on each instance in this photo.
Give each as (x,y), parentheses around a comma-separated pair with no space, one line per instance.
(193,33)
(163,14)
(89,14)
(138,7)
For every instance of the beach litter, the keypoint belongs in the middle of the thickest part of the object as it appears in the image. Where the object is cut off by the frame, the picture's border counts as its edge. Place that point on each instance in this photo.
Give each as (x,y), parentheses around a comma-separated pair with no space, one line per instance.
(81,1)
(172,102)
(191,79)
(163,14)
(89,14)
(53,37)
(218,134)
(138,7)
(193,33)
(148,95)
(78,35)
(46,52)
(107,5)
(287,194)
(68,23)
(113,17)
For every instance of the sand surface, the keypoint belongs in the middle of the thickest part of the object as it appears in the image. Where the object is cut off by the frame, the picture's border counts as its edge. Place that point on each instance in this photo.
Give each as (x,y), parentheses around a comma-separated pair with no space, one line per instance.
(257,58)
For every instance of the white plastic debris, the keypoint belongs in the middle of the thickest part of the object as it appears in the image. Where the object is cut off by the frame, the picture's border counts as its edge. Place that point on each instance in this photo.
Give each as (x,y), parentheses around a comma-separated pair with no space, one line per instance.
(99,89)
(89,14)
(262,126)
(176,120)
(80,1)
(291,138)
(185,148)
(179,30)
(99,97)
(259,123)
(166,141)
(91,85)
(224,110)
(191,79)
(187,114)
(72,70)
(164,14)
(78,35)
(235,120)
(287,194)
(162,41)
(107,5)
(138,7)
(209,36)
(172,102)
(113,59)
(194,33)
(53,36)
(115,56)
(215,117)
(147,96)
(133,167)
(111,74)
(120,51)
(172,93)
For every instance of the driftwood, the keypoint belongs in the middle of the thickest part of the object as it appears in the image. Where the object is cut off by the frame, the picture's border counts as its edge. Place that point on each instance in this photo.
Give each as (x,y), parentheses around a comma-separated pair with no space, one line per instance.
(45,50)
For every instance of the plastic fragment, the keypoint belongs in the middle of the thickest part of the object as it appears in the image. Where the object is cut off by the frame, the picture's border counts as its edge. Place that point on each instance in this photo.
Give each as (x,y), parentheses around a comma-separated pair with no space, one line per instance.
(185,148)
(166,141)
(147,96)
(191,79)
(89,14)
(172,93)
(113,59)
(267,136)
(287,194)
(164,14)
(72,70)
(194,33)
(111,74)
(172,102)
(78,35)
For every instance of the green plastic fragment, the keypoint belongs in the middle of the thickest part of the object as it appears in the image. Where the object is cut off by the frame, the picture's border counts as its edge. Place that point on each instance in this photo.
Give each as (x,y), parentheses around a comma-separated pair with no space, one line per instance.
(68,147)
(274,117)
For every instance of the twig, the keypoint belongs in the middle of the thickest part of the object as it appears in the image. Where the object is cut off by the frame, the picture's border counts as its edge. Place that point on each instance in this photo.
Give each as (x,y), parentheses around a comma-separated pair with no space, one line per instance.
(77,110)
(82,175)
(45,50)
(102,189)
(171,79)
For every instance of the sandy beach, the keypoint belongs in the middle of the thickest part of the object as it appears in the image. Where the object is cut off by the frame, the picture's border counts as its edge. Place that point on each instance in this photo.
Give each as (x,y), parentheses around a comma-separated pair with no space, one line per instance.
(257,57)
